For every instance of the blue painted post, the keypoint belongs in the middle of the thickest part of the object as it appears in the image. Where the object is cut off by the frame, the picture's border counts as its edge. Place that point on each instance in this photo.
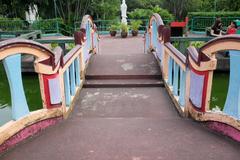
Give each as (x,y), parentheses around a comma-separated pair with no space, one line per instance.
(182,87)
(95,40)
(232,104)
(86,46)
(154,34)
(175,79)
(147,42)
(12,65)
(72,79)
(77,71)
(170,66)
(88,36)
(160,51)
(67,87)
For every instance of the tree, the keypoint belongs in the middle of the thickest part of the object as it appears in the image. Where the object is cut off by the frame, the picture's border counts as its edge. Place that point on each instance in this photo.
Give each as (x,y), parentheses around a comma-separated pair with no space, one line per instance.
(105,9)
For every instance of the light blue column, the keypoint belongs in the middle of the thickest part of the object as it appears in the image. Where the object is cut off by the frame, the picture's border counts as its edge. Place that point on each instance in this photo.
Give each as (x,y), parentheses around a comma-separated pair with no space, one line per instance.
(175,78)
(67,87)
(77,70)
(12,65)
(182,87)
(170,66)
(154,34)
(72,79)
(88,36)
(95,40)
(160,51)
(232,104)
(147,43)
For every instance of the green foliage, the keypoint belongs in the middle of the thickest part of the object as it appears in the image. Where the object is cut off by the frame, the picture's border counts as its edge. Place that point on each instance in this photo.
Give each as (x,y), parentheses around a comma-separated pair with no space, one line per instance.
(147,13)
(140,14)
(70,46)
(124,27)
(54,45)
(113,27)
(163,13)
(49,25)
(105,9)
(143,4)
(135,25)
(12,24)
(213,14)
(197,44)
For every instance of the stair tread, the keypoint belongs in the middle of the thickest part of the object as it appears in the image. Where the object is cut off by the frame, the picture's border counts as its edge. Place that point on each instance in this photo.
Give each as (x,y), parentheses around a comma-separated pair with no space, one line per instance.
(122,77)
(123,83)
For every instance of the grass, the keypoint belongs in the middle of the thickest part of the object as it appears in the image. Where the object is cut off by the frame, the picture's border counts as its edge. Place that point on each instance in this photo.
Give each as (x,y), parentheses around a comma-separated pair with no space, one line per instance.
(31,88)
(219,90)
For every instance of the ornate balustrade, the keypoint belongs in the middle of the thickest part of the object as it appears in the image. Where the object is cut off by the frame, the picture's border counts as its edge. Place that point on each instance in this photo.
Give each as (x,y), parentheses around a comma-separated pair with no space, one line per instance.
(60,77)
(188,79)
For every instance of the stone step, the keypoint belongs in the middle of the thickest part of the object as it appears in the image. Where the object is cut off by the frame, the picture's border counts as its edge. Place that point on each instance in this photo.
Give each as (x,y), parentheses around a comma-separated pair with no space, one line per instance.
(119,77)
(133,66)
(123,83)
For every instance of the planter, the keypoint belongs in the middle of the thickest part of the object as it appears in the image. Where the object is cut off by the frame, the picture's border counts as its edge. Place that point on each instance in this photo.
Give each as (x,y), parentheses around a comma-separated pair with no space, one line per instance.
(124,34)
(134,33)
(113,33)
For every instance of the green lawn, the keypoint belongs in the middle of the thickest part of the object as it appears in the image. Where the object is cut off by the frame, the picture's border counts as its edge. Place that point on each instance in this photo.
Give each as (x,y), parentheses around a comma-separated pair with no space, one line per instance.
(219,90)
(31,87)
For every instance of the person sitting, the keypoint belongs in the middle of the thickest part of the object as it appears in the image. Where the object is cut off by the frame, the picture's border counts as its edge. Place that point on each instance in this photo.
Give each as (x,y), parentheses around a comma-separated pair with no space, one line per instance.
(216,29)
(232,28)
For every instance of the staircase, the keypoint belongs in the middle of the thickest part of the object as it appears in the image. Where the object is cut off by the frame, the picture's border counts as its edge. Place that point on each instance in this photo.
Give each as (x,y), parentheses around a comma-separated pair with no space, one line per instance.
(123,71)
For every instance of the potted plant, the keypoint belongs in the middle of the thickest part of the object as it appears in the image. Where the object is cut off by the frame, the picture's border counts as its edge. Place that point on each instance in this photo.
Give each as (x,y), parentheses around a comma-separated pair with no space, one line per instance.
(113,30)
(135,27)
(124,30)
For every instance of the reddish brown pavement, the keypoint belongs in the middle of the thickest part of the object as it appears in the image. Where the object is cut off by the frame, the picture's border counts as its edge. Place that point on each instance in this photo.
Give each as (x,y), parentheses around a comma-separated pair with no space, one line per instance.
(120,46)
(126,124)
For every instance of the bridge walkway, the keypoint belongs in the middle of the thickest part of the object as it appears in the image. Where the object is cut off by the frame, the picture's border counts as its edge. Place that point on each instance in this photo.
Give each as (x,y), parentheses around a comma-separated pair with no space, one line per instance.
(124,113)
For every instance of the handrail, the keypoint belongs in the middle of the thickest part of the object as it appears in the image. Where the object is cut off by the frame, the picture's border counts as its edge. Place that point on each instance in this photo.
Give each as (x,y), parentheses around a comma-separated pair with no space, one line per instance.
(191,90)
(60,78)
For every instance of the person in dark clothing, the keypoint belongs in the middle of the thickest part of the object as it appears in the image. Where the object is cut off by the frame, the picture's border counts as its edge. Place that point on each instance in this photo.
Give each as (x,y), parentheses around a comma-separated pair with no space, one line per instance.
(217,28)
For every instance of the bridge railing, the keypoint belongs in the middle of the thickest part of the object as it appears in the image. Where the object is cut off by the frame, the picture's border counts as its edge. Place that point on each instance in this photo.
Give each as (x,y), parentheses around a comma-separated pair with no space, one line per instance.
(201,23)
(60,79)
(171,61)
(202,64)
(188,77)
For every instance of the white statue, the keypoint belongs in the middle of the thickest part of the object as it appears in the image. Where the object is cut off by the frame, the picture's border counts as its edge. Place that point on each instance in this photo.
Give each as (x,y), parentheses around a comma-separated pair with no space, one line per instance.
(32,13)
(124,12)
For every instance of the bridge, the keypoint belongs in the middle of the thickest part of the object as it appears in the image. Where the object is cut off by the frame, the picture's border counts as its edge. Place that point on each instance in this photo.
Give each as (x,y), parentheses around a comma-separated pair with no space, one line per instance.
(110,98)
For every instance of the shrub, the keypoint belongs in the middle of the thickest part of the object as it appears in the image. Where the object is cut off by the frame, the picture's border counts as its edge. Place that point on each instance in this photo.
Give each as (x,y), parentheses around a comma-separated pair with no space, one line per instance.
(48,25)
(163,13)
(140,14)
(136,24)
(113,27)
(197,44)
(12,24)
(147,13)
(54,45)
(124,27)
(213,14)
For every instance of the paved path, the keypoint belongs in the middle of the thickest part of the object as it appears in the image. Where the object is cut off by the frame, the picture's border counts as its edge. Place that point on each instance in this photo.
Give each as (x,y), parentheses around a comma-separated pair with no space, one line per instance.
(126,124)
